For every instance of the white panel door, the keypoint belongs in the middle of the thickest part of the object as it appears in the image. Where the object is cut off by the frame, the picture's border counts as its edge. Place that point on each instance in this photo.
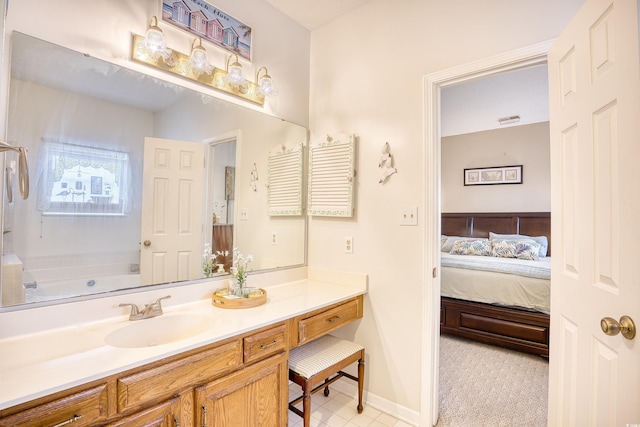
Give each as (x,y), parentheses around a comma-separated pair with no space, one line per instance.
(594,84)
(171,230)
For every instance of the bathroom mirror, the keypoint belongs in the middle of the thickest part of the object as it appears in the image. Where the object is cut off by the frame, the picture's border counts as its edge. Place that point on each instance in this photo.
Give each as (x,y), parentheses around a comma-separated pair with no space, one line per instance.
(84,228)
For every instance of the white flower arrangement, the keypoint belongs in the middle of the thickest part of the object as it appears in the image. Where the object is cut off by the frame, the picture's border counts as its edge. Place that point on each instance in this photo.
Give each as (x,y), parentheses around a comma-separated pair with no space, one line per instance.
(240,271)
(210,260)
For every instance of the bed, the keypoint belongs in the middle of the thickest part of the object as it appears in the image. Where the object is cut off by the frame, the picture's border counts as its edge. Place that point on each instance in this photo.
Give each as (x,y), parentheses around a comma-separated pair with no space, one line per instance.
(509,309)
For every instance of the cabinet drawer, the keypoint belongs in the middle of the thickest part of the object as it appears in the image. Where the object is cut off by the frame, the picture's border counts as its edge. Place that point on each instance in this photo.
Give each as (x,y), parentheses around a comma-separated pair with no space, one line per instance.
(328,320)
(85,408)
(164,414)
(171,378)
(262,344)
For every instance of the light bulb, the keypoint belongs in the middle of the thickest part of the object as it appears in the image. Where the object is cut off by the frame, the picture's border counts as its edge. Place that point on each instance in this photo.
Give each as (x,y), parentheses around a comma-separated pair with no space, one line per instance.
(198,59)
(154,41)
(235,74)
(266,87)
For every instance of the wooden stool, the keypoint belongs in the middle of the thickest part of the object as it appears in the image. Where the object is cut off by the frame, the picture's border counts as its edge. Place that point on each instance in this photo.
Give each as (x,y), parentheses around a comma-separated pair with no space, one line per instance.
(316,361)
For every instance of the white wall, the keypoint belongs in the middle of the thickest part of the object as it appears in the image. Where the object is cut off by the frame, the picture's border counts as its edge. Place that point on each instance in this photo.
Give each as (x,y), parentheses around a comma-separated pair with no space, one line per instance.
(521,145)
(366,78)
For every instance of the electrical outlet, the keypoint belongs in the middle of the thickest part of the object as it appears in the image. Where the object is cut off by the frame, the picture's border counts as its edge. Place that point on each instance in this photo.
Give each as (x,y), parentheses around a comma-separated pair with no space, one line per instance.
(244,214)
(348,245)
(408,215)
(274,238)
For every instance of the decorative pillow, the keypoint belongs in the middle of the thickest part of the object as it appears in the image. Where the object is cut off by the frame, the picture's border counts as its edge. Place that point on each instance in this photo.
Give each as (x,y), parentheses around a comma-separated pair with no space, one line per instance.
(541,240)
(472,247)
(451,240)
(443,240)
(521,249)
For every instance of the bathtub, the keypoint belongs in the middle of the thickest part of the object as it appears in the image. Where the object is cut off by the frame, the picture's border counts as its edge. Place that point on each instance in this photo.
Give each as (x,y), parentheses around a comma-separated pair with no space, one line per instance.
(45,290)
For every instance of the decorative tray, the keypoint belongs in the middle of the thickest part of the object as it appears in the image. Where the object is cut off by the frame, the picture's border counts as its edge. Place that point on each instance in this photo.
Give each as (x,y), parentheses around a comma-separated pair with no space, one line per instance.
(223,299)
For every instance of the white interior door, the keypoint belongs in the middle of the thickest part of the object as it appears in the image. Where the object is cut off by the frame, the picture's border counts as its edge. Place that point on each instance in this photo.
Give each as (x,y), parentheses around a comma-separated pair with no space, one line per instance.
(594,85)
(171,229)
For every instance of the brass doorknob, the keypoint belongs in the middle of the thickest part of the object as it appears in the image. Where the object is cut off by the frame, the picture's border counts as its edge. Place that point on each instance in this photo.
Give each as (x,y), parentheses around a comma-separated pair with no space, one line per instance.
(147,243)
(611,326)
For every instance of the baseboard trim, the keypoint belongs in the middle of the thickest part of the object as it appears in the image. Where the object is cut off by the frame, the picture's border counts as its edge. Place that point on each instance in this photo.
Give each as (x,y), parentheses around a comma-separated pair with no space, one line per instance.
(400,412)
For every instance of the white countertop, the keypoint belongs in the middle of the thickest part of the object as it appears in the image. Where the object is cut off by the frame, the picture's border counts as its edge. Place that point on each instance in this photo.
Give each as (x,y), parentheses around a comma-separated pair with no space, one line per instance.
(37,364)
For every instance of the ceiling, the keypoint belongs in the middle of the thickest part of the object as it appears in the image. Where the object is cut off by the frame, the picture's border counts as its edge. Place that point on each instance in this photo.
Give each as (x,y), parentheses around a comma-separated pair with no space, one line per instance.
(476,105)
(313,14)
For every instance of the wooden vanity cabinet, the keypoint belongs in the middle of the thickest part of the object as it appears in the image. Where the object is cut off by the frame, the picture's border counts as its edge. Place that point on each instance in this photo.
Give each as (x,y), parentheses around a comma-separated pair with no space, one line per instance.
(166,414)
(314,324)
(84,407)
(240,381)
(156,383)
(256,396)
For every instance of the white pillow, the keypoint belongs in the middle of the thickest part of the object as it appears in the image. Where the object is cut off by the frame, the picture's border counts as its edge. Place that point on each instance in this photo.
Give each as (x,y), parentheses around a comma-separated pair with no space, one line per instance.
(541,240)
(479,247)
(522,249)
(451,240)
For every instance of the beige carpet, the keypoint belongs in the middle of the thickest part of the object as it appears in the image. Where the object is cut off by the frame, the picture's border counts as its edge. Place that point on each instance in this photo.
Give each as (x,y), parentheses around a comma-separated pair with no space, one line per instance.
(483,385)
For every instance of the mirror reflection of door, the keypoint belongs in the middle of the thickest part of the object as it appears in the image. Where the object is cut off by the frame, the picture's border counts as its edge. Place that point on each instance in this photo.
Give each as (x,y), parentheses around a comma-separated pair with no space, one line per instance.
(171,228)
(221,190)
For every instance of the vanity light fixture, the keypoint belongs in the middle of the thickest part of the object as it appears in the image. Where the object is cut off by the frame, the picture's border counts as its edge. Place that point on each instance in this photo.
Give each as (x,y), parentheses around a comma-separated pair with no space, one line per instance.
(154,41)
(198,58)
(265,84)
(195,67)
(234,72)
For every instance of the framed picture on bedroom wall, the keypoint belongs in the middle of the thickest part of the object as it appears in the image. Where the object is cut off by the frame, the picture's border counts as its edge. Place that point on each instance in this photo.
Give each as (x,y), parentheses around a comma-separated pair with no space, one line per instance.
(493,175)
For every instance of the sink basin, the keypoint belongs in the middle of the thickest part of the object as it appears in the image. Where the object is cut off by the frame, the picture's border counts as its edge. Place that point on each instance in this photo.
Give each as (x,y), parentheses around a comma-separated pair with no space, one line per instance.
(159,330)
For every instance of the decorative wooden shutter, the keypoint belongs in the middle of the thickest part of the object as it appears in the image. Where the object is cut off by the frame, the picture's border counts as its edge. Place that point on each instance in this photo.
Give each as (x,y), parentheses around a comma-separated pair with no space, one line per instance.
(331,176)
(284,180)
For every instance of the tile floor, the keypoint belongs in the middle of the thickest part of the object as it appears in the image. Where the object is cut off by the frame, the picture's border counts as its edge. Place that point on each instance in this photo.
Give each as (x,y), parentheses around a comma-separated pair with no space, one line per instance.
(340,410)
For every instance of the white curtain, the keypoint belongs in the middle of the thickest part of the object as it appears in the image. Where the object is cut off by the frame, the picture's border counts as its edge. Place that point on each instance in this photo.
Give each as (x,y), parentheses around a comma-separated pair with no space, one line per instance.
(83,180)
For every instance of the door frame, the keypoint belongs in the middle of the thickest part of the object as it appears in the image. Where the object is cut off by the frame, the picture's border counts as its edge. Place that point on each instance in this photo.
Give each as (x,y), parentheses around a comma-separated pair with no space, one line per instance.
(207,220)
(521,58)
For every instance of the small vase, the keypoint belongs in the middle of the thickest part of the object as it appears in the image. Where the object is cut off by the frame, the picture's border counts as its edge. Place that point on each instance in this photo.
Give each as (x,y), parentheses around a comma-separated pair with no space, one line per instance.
(237,288)
(206,272)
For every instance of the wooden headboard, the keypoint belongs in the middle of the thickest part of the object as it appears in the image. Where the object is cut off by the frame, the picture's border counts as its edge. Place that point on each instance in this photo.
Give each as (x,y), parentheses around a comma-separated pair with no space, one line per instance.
(480,224)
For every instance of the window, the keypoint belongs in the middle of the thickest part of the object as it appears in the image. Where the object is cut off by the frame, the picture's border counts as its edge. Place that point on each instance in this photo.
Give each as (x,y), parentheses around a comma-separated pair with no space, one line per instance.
(81,180)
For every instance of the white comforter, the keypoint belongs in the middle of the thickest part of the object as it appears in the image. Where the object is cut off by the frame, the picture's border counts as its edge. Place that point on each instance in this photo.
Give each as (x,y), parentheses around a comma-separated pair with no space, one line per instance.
(538,269)
(504,281)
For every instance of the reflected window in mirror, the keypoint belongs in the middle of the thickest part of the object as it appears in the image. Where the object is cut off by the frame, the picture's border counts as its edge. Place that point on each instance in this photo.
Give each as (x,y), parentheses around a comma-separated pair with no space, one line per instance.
(83,180)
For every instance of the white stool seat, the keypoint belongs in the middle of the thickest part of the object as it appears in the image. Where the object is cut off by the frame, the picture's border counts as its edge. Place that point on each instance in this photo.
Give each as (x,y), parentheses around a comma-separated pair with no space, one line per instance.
(319,363)
(320,354)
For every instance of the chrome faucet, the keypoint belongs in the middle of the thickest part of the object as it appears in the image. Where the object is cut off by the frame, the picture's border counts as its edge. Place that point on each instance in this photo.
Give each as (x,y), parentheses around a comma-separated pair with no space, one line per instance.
(150,310)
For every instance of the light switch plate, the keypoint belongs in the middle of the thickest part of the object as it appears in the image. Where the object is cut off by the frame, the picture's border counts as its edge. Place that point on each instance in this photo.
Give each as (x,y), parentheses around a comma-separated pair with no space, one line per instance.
(408,215)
